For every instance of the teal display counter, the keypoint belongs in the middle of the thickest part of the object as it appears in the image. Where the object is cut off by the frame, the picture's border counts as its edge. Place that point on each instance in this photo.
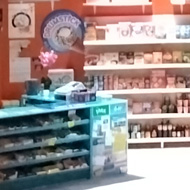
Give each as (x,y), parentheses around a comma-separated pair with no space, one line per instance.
(100,141)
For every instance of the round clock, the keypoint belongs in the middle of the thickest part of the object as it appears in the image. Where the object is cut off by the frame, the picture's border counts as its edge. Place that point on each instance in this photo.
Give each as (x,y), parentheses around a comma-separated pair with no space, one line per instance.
(21,20)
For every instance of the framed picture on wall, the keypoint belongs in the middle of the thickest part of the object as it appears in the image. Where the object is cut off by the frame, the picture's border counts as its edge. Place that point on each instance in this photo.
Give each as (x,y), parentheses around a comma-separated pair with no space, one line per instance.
(22,20)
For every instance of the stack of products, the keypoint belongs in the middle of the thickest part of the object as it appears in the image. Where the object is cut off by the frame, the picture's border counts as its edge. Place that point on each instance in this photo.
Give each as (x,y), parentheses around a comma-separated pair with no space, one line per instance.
(157,79)
(164,129)
(138,58)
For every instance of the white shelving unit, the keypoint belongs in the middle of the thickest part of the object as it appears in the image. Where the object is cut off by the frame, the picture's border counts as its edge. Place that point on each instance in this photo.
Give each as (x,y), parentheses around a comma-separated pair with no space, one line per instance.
(131,3)
(136,67)
(135,117)
(146,91)
(145,45)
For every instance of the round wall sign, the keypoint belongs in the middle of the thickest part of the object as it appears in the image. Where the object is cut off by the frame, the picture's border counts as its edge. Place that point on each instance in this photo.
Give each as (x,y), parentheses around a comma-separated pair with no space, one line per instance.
(63,30)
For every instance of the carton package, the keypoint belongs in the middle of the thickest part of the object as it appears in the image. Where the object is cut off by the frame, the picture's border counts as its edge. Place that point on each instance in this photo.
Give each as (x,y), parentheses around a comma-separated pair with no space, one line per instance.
(125,30)
(109,58)
(137,30)
(186,57)
(167,57)
(157,57)
(123,58)
(177,56)
(130,58)
(158,79)
(149,30)
(160,31)
(138,58)
(148,58)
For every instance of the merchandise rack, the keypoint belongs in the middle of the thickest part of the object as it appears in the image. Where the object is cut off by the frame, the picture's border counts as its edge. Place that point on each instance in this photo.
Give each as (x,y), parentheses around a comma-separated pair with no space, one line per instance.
(138,45)
(83,142)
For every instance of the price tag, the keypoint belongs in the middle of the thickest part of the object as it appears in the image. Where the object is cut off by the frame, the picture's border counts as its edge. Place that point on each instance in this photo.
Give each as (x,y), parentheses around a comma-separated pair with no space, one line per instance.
(71,124)
(52,142)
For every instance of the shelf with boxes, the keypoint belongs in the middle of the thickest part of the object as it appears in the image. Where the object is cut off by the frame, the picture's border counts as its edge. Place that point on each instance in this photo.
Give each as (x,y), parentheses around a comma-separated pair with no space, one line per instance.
(142,58)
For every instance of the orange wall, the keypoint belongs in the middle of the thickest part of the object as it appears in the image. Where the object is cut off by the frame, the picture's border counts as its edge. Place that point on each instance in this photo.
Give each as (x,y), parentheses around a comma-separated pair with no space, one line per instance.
(71,59)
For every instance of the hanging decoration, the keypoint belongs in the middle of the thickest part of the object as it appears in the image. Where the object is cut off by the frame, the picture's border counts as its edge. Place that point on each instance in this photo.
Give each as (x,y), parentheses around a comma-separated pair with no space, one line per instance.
(63,30)
(47,58)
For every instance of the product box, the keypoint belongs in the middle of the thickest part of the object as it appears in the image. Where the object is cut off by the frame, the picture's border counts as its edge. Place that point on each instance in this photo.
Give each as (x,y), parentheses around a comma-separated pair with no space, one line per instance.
(147,107)
(158,79)
(125,30)
(177,56)
(130,58)
(90,33)
(60,77)
(167,57)
(160,31)
(123,58)
(186,57)
(138,58)
(112,32)
(109,58)
(185,31)
(157,57)
(149,30)
(137,108)
(137,30)
(148,58)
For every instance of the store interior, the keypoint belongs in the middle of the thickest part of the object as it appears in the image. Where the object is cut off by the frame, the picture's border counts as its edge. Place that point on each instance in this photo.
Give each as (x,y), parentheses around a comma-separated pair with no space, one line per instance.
(94,94)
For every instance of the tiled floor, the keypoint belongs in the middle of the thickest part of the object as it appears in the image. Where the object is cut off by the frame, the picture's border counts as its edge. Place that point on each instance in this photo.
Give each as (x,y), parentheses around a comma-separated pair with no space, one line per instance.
(149,169)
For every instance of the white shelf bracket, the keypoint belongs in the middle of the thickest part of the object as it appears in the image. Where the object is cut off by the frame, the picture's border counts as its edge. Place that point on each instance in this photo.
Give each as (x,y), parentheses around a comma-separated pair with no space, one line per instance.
(94,9)
(181,9)
(143,9)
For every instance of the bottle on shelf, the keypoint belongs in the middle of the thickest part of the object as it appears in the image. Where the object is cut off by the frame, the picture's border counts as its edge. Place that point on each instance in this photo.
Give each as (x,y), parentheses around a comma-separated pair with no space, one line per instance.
(160,130)
(174,132)
(170,127)
(183,131)
(142,132)
(178,129)
(148,132)
(154,132)
(187,131)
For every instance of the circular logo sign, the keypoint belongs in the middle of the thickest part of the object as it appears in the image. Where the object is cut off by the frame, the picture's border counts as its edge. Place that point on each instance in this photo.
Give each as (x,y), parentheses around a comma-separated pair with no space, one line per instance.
(63,30)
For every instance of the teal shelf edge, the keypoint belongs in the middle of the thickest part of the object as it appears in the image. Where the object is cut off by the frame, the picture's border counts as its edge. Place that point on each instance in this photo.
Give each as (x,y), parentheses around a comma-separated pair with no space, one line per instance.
(41,161)
(48,179)
(46,144)
(55,126)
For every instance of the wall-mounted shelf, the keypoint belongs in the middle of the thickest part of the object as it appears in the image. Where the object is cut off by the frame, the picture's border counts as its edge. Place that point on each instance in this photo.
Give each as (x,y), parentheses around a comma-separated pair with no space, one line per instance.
(132,3)
(146,91)
(158,116)
(137,67)
(135,42)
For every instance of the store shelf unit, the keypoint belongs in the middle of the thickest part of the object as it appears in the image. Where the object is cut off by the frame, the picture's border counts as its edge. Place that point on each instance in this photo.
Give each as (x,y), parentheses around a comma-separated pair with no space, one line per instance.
(143,44)
(54,144)
(160,142)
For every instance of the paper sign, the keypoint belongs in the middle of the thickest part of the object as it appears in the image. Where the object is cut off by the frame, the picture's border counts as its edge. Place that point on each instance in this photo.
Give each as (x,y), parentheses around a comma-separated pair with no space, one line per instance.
(105,122)
(20,69)
(119,142)
(52,142)
(21,20)
(71,124)
(108,138)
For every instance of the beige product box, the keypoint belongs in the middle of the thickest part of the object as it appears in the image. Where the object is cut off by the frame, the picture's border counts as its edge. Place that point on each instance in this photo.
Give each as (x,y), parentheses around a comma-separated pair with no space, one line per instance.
(147,107)
(112,32)
(148,58)
(167,57)
(157,57)
(177,56)
(125,30)
(186,57)
(60,77)
(138,58)
(109,58)
(158,79)
(137,108)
